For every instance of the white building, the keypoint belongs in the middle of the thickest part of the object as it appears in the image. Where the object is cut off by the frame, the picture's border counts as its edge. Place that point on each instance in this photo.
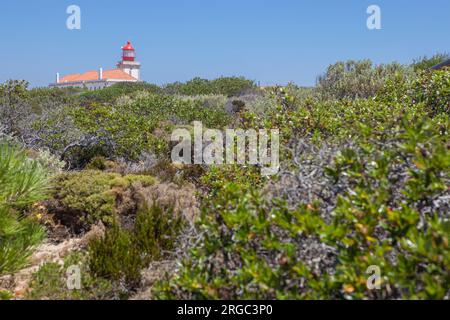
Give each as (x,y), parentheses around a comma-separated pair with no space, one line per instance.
(128,70)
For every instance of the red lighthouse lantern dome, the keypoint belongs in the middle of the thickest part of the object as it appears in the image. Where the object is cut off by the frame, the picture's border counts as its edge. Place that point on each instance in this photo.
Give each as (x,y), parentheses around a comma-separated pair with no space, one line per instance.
(128,52)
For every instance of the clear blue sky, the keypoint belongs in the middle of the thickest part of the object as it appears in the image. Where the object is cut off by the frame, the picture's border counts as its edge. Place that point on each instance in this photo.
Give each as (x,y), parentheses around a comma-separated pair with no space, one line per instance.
(176,40)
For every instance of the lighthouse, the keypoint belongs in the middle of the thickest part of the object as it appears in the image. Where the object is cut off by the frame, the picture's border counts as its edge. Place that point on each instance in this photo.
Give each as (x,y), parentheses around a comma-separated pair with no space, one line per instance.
(128,63)
(128,70)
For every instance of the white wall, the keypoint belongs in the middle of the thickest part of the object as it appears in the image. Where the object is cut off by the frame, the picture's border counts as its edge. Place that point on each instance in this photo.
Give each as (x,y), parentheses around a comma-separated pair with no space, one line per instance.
(131,67)
(90,85)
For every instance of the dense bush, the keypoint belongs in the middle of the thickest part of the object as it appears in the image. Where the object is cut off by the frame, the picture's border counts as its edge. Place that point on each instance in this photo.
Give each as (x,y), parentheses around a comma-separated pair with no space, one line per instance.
(425,63)
(22,183)
(228,86)
(156,231)
(82,199)
(363,182)
(216,178)
(111,94)
(141,126)
(20,107)
(356,79)
(14,108)
(112,266)
(215,101)
(122,121)
(389,211)
(116,257)
(433,89)
(122,253)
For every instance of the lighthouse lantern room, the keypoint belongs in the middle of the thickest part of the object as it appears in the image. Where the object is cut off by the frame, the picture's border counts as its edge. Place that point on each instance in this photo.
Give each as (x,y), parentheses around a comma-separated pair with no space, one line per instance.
(128,52)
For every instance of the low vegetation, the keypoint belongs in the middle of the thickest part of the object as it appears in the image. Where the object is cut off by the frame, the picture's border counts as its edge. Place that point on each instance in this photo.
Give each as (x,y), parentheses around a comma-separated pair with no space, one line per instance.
(364,188)
(22,183)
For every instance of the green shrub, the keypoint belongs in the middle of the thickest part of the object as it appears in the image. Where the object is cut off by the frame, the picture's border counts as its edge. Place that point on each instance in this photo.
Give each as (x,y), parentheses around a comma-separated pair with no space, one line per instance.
(5,295)
(329,120)
(240,255)
(433,89)
(357,79)
(425,63)
(121,254)
(47,160)
(115,257)
(100,163)
(111,94)
(42,99)
(50,282)
(228,86)
(364,182)
(216,177)
(22,180)
(214,101)
(390,213)
(391,224)
(55,130)
(14,107)
(144,125)
(19,237)
(83,198)
(22,183)
(156,231)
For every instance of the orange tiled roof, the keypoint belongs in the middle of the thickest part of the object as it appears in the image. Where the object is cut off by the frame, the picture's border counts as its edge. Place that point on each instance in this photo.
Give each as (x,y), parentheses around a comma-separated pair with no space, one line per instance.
(115,74)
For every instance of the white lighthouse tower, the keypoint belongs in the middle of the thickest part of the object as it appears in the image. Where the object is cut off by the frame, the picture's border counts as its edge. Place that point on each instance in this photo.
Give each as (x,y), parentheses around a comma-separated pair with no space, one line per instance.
(128,63)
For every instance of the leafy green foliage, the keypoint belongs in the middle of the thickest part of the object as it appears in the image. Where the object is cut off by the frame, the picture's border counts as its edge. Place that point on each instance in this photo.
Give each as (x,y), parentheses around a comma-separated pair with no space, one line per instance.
(364,182)
(216,177)
(433,89)
(371,226)
(252,248)
(216,102)
(22,183)
(386,205)
(5,295)
(111,94)
(129,130)
(228,86)
(238,255)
